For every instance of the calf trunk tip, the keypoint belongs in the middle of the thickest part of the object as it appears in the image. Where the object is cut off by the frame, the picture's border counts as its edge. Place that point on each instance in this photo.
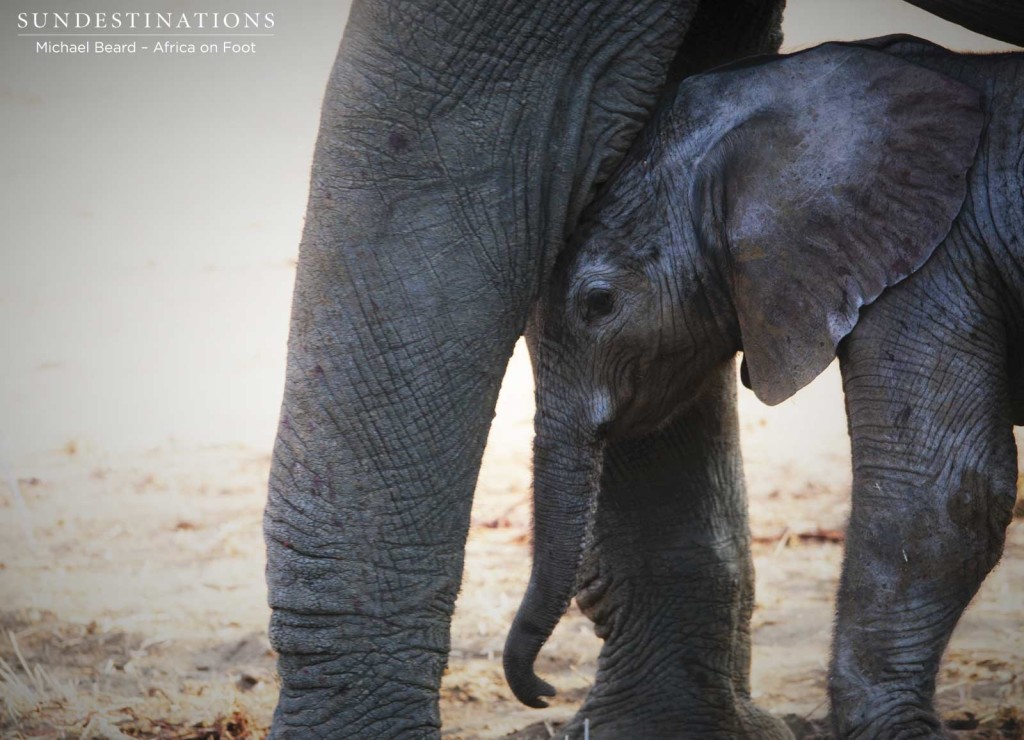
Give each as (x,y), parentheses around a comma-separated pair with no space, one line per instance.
(517,661)
(528,687)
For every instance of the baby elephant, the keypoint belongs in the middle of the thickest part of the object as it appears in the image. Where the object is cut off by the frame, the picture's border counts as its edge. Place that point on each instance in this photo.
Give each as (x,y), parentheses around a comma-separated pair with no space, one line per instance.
(778,206)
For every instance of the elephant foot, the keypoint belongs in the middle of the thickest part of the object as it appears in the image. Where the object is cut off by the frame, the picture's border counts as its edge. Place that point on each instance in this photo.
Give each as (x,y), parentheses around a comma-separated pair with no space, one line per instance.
(681,721)
(900,725)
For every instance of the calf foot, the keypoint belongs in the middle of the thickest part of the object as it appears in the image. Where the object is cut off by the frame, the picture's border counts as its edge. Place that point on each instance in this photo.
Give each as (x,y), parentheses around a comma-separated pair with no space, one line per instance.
(862,710)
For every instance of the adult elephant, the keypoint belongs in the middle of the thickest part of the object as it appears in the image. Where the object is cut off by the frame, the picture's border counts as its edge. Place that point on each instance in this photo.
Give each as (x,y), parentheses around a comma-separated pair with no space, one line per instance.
(458,142)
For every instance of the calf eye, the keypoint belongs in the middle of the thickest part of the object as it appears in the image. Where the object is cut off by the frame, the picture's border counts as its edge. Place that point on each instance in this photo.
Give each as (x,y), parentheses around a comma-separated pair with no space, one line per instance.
(598,302)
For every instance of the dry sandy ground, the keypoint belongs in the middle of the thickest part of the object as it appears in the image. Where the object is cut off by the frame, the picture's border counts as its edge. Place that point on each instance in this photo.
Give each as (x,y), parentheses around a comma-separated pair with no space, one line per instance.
(133,597)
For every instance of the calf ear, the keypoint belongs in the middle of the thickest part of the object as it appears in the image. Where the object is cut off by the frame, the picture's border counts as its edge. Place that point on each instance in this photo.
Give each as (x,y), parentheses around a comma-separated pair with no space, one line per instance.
(839,186)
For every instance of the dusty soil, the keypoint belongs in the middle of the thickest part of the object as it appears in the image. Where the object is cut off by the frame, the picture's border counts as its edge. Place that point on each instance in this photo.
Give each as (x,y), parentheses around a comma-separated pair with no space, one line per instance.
(133,601)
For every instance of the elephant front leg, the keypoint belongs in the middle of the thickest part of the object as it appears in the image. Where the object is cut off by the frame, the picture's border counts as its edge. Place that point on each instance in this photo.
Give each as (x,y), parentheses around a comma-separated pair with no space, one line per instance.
(934,487)
(669,583)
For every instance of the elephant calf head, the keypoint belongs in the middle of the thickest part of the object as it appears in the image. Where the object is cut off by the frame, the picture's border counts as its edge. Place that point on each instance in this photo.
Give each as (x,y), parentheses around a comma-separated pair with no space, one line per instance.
(760,210)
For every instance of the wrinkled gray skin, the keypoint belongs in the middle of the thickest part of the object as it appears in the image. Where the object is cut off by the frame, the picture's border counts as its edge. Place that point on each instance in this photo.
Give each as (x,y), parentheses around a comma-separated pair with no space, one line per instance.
(771,206)
(458,142)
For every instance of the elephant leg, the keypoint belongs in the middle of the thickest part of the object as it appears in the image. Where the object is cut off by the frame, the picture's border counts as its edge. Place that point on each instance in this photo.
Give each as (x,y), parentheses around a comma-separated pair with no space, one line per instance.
(669,583)
(933,492)
(379,445)
(456,140)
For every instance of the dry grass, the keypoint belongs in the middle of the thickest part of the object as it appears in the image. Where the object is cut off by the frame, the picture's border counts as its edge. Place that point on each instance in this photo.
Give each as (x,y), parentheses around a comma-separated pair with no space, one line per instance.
(36,704)
(133,697)
(32,690)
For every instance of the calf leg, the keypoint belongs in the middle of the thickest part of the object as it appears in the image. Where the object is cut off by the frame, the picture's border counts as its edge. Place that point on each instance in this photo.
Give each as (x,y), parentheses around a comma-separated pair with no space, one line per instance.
(933,492)
(669,583)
